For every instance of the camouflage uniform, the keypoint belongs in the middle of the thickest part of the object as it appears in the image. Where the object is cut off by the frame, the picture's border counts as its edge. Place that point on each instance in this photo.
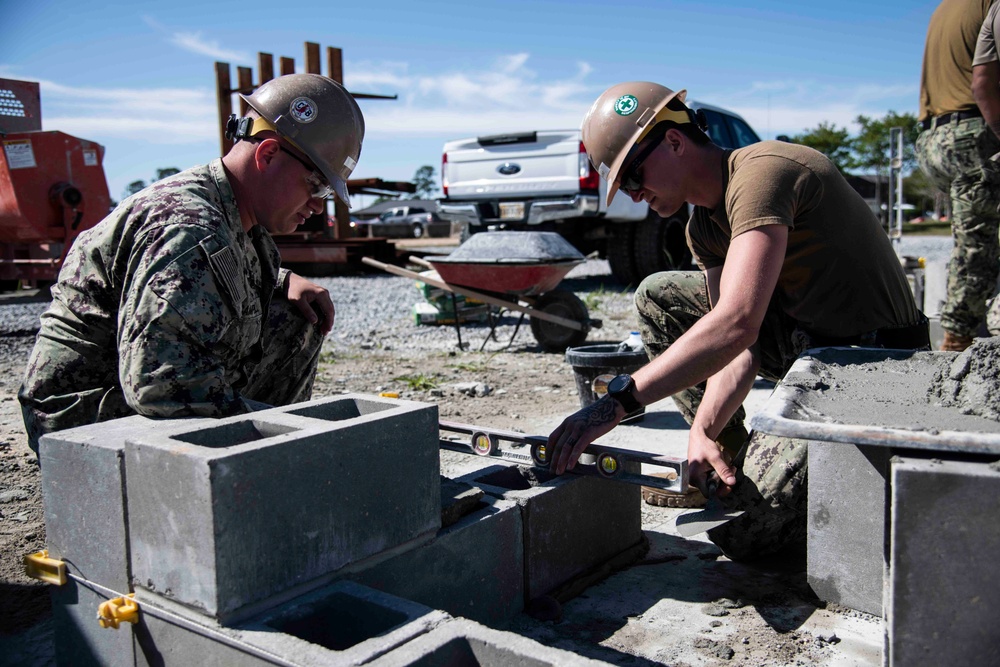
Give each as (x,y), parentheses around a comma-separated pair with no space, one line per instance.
(668,304)
(956,158)
(165,309)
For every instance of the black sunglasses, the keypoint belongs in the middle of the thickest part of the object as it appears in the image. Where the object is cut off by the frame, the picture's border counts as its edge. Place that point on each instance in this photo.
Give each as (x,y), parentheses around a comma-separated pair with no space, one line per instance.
(631,181)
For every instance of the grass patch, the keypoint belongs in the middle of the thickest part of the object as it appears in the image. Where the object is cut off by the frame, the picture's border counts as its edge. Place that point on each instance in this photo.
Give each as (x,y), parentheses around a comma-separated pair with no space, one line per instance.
(418,381)
(927,229)
(475,366)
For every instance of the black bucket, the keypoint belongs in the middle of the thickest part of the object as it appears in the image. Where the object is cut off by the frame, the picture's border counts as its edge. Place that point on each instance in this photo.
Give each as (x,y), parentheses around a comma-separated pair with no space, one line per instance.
(590,361)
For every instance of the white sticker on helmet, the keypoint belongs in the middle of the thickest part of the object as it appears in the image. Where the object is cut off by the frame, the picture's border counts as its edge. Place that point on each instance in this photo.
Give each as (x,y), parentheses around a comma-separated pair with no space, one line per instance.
(350,163)
(604,170)
(303,109)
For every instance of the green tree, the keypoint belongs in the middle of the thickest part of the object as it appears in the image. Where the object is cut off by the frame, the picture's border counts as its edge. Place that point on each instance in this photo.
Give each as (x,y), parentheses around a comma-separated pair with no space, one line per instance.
(423,179)
(871,145)
(133,187)
(831,141)
(166,172)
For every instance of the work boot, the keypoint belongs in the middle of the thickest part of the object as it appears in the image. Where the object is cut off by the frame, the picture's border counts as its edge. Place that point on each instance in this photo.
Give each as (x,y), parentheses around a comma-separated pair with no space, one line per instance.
(955,342)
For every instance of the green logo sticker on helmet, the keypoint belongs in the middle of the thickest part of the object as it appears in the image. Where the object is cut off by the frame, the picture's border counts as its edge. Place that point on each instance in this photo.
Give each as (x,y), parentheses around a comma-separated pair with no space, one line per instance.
(626,105)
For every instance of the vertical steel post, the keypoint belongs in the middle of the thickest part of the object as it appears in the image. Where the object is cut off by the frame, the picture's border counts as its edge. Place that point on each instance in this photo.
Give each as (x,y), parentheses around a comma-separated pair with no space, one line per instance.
(312,58)
(223,95)
(342,215)
(265,64)
(896,185)
(287,65)
(244,80)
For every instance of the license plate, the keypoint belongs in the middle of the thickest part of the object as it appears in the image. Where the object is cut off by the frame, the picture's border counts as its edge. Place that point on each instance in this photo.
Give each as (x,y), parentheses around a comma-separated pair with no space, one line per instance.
(512,210)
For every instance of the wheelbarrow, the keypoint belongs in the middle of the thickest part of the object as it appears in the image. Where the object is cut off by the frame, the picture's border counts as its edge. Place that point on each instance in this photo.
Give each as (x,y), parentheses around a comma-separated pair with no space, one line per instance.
(516,271)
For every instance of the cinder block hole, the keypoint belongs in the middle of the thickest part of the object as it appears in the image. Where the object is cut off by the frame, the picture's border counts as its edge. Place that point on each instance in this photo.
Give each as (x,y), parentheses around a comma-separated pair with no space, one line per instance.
(517,478)
(335,411)
(237,433)
(470,652)
(340,622)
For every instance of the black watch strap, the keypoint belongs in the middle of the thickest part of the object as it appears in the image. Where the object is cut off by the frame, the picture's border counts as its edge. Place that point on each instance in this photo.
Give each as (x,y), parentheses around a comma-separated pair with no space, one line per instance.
(620,389)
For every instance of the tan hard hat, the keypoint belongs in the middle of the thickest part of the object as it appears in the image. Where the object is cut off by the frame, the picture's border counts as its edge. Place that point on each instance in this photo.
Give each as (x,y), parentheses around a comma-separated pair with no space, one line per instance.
(619,119)
(320,118)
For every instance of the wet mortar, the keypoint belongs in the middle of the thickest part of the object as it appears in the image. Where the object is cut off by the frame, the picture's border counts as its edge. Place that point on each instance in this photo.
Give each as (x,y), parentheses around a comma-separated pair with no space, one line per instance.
(918,391)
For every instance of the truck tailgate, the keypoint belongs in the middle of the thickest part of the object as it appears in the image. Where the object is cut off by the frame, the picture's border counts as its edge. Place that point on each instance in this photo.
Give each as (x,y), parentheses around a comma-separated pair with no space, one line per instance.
(533,165)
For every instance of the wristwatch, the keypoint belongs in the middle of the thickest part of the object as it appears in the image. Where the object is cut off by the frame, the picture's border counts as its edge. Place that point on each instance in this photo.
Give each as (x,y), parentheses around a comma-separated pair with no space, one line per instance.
(620,389)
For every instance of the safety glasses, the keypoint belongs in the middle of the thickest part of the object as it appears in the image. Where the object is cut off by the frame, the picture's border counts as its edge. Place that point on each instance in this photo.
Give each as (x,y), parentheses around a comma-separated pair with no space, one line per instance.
(631,180)
(321,189)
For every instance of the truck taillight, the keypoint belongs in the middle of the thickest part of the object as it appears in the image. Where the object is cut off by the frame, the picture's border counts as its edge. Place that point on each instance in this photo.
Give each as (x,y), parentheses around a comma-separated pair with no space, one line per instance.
(444,174)
(589,178)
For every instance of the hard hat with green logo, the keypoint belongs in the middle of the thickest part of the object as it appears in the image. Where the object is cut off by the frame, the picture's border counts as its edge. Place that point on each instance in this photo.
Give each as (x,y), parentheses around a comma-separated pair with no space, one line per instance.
(319,117)
(620,119)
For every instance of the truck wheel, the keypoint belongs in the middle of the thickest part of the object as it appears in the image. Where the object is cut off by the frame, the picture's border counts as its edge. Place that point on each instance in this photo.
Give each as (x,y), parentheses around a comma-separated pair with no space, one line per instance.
(554,337)
(418,230)
(660,245)
(620,256)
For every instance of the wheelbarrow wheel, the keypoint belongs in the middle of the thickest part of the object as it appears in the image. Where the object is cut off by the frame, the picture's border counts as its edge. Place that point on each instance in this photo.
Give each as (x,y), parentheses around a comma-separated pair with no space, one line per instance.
(555,337)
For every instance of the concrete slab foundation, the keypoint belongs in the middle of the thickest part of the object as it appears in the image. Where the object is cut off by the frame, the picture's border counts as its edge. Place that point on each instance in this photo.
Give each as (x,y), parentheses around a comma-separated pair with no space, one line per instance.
(944,597)
(848,496)
(462,642)
(571,523)
(224,516)
(473,569)
(342,624)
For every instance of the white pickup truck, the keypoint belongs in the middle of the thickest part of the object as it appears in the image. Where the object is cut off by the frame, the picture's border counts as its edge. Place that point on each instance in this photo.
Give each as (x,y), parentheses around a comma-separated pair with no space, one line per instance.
(543,181)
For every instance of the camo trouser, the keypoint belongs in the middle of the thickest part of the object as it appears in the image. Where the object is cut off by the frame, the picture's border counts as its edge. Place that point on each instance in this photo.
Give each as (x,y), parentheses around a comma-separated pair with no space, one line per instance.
(287,370)
(956,157)
(771,471)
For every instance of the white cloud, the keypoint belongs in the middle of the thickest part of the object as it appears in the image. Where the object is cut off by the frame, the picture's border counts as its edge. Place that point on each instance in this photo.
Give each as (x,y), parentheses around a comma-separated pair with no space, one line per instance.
(505,96)
(195,42)
(158,115)
(791,107)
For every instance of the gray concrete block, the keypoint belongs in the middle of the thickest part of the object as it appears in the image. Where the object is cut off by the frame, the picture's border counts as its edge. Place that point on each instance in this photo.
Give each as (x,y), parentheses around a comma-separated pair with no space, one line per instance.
(571,523)
(228,515)
(463,642)
(83,497)
(474,568)
(944,596)
(338,625)
(846,548)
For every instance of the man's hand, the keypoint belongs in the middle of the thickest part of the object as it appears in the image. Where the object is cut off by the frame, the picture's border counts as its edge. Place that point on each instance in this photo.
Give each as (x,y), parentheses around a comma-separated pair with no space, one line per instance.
(706,456)
(311,300)
(581,428)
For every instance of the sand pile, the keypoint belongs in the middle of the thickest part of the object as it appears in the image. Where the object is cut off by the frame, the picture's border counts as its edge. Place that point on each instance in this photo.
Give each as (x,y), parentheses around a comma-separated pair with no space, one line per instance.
(972,382)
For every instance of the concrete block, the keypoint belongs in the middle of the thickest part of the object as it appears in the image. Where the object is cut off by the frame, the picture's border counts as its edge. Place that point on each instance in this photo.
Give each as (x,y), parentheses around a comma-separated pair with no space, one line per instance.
(944,595)
(571,523)
(225,516)
(474,568)
(83,496)
(846,548)
(338,625)
(463,642)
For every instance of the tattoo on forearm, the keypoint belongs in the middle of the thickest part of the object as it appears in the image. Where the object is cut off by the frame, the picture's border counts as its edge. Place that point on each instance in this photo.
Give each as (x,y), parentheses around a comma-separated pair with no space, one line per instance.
(601,412)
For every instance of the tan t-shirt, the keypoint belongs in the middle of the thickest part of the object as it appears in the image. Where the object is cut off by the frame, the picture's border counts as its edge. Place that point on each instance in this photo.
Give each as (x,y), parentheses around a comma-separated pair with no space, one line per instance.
(986,45)
(840,276)
(946,80)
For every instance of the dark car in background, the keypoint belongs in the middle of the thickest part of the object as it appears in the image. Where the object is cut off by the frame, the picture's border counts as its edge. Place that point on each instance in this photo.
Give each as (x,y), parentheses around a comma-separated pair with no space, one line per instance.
(405,222)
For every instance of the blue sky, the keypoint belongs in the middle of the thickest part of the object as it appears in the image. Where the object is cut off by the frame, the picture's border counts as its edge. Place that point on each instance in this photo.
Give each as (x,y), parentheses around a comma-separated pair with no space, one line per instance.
(138,77)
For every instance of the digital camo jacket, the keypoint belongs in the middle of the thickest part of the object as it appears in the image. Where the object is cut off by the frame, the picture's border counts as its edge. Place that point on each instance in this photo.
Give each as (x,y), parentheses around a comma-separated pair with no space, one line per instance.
(157,311)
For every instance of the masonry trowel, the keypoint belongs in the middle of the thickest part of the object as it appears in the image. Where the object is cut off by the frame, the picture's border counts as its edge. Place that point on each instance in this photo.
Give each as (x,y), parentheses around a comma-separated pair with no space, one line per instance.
(713,515)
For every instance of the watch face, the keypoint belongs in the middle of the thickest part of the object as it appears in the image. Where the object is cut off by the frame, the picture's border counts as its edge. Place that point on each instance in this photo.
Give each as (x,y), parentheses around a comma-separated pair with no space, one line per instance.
(618,384)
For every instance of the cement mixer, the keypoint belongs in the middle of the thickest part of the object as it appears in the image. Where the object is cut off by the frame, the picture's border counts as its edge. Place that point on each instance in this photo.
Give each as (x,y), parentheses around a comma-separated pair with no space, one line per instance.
(52,187)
